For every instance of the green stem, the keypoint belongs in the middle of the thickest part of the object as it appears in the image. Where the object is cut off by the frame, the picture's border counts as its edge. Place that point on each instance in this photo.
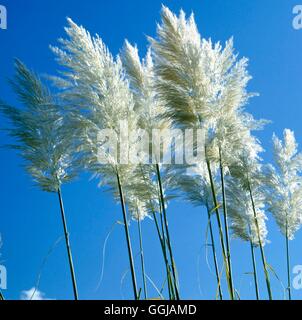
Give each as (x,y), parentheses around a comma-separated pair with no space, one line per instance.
(226,226)
(66,234)
(254,270)
(164,251)
(288,264)
(162,240)
(167,231)
(142,257)
(214,255)
(133,276)
(267,279)
(165,242)
(1,296)
(220,229)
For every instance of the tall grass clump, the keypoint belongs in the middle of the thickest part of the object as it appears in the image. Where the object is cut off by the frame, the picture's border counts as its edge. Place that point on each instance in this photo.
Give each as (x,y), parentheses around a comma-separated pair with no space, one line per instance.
(150,108)
(284,191)
(42,141)
(96,89)
(114,117)
(204,86)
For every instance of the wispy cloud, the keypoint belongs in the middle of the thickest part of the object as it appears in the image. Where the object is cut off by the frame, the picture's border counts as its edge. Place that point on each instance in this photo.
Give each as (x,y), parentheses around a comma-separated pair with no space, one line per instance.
(32,294)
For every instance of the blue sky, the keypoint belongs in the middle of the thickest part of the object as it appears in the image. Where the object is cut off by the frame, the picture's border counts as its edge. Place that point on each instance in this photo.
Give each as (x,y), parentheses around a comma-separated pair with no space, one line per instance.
(30,219)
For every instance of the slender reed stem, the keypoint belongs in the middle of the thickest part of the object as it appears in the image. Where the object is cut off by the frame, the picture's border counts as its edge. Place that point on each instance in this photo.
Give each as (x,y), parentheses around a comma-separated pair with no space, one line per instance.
(220,229)
(267,278)
(288,264)
(226,226)
(66,233)
(142,257)
(1,296)
(164,251)
(254,270)
(131,261)
(165,244)
(162,240)
(167,231)
(214,254)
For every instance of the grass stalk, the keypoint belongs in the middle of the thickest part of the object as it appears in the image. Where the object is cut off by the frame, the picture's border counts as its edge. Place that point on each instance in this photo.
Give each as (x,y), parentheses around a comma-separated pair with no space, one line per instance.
(226,226)
(68,247)
(254,270)
(162,239)
(167,232)
(165,245)
(142,257)
(216,206)
(264,263)
(164,251)
(214,255)
(288,263)
(128,240)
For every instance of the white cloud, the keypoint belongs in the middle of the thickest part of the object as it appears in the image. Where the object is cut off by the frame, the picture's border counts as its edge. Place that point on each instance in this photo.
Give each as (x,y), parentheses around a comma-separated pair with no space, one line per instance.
(32,294)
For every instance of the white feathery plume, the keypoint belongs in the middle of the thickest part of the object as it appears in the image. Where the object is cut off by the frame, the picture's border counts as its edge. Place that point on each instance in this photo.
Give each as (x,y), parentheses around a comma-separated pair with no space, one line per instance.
(149,110)
(202,84)
(194,182)
(144,188)
(142,81)
(39,129)
(137,208)
(245,175)
(284,190)
(94,83)
(97,87)
(246,199)
(43,140)
(284,184)
(241,212)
